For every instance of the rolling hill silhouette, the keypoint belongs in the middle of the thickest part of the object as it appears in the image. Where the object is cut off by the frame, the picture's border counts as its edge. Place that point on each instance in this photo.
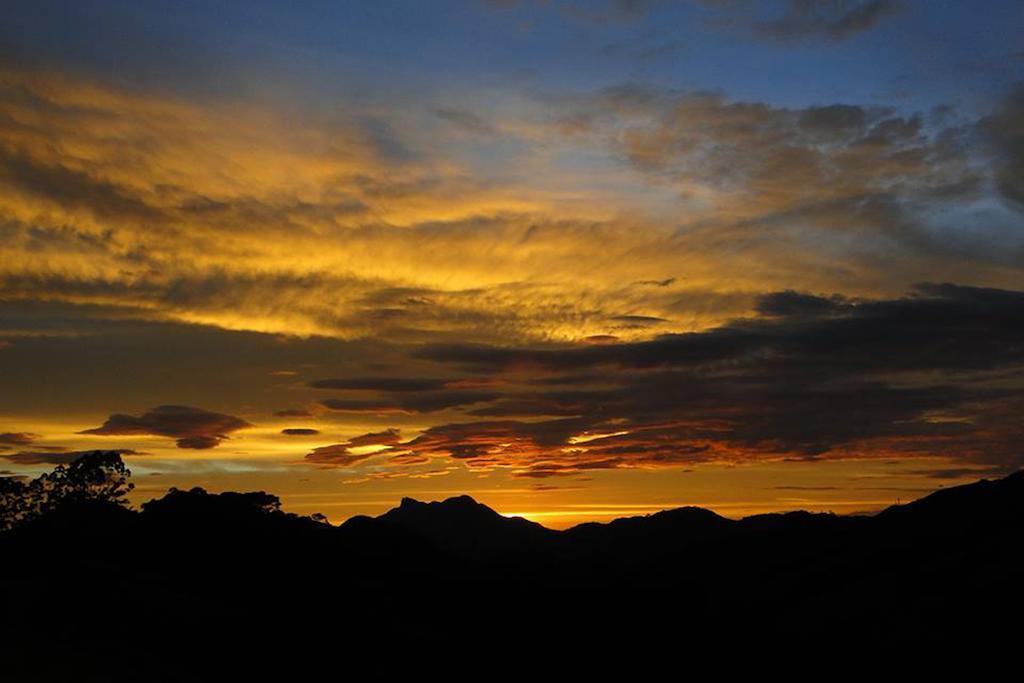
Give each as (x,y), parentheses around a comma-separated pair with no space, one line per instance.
(206,575)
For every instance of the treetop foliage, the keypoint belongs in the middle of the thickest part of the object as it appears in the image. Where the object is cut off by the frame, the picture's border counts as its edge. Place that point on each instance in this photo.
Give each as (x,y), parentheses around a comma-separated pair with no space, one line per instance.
(95,477)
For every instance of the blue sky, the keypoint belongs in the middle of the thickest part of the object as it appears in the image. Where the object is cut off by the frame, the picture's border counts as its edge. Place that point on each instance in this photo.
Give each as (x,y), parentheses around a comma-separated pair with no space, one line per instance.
(924,53)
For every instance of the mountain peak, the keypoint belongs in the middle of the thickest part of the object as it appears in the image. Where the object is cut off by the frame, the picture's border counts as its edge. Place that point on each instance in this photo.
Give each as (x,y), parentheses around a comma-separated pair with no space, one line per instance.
(453,504)
(463,522)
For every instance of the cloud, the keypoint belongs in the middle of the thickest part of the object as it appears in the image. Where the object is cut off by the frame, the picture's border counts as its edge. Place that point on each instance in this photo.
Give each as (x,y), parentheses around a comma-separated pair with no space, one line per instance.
(300,431)
(877,193)
(601,12)
(190,427)
(305,227)
(404,394)
(388,384)
(51,458)
(336,455)
(976,324)
(752,160)
(387,437)
(18,438)
(465,121)
(803,20)
(418,402)
(806,488)
(959,472)
(790,304)
(71,188)
(1004,129)
(356,449)
(358,406)
(104,182)
(812,377)
(293,412)
(663,298)
(638,320)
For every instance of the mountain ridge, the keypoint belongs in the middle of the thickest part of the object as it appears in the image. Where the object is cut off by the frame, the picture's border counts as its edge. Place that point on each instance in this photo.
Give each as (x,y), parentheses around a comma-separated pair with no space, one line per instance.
(223,569)
(461,504)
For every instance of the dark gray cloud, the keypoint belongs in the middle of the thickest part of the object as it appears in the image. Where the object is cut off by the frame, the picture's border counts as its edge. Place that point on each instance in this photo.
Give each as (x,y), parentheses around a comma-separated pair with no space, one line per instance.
(381,384)
(803,20)
(300,431)
(934,373)
(417,402)
(638,320)
(791,304)
(980,328)
(530,406)
(602,11)
(190,427)
(335,455)
(341,455)
(465,121)
(52,458)
(72,189)
(1005,131)
(385,437)
(18,438)
(958,472)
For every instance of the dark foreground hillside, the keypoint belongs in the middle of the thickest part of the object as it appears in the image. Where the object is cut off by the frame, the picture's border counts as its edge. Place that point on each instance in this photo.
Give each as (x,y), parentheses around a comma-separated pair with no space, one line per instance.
(195,585)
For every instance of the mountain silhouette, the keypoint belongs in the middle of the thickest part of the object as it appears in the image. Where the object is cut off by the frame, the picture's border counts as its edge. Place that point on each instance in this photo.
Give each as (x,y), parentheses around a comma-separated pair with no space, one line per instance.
(461,524)
(211,576)
(985,502)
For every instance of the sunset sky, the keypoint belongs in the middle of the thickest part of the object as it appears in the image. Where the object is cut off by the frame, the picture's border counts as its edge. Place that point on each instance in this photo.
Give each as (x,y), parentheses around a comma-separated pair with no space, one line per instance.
(579,259)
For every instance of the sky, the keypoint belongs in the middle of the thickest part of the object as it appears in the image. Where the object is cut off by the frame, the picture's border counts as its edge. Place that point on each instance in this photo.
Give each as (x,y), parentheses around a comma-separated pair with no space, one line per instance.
(578,259)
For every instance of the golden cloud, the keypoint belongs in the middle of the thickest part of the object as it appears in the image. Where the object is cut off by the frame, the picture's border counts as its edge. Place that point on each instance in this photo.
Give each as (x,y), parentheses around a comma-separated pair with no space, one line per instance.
(235,216)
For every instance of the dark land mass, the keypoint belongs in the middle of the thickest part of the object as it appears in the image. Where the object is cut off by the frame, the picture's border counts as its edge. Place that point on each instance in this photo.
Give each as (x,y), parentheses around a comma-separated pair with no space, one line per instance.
(198,584)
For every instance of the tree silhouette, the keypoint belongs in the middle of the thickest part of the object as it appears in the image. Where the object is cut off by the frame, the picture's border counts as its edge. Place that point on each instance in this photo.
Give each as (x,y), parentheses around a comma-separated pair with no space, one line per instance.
(95,477)
(15,503)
